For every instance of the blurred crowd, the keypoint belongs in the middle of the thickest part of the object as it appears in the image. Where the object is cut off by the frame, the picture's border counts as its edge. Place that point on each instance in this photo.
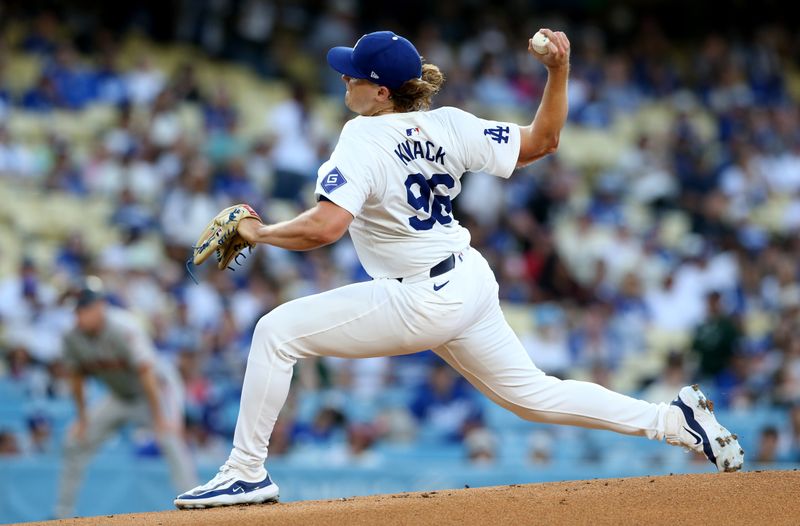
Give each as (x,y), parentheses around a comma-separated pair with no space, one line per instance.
(678,248)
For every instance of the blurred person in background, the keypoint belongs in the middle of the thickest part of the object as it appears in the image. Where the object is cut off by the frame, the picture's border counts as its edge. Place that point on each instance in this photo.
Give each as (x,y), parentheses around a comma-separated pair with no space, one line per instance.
(357,449)
(40,435)
(9,445)
(143,83)
(548,343)
(767,452)
(541,445)
(593,342)
(207,446)
(34,323)
(445,403)
(41,97)
(107,343)
(293,129)
(673,377)
(328,421)
(716,339)
(481,446)
(188,204)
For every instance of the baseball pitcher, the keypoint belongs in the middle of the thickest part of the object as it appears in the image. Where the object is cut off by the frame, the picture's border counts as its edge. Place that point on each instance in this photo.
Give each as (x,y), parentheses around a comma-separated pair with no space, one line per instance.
(390,181)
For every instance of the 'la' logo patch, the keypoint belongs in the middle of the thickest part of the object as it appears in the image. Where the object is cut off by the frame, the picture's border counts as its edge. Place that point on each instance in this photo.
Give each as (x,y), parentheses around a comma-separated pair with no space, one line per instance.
(333,180)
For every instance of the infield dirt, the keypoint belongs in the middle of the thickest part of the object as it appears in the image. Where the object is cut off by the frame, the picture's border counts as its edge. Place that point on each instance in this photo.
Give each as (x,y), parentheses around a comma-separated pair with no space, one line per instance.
(752,498)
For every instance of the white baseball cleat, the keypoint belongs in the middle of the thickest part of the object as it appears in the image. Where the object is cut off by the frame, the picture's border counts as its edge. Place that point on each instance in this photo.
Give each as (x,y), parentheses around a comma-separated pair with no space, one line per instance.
(228,488)
(695,427)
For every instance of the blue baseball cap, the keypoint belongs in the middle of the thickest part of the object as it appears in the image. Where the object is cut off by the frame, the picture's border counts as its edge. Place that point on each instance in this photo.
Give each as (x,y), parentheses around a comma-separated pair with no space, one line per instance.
(380,57)
(90,292)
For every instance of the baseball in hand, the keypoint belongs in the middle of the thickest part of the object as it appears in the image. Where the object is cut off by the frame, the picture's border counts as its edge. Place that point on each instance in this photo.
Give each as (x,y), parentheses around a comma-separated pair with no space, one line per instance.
(540,43)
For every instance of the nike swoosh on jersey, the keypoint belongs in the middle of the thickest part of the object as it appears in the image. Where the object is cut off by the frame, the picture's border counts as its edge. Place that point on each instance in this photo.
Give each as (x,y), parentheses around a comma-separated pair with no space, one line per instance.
(436,287)
(697,438)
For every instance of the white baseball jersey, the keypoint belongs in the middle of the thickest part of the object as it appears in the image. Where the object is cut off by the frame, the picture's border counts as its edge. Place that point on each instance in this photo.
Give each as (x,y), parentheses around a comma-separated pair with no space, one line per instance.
(397,175)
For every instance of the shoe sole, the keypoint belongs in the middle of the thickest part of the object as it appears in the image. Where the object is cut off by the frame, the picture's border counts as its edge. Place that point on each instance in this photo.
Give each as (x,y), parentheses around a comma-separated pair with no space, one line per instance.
(260,496)
(725,446)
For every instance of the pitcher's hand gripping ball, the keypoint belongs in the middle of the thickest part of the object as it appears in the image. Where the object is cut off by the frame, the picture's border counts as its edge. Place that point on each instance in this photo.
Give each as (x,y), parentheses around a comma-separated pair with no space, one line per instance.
(221,237)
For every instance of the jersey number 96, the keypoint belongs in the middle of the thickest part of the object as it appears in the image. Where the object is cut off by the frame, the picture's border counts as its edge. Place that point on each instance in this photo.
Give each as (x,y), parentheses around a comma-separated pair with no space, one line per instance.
(436,206)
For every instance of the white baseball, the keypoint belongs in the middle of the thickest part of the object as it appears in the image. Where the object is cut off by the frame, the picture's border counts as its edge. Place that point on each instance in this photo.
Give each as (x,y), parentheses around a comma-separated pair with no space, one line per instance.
(540,41)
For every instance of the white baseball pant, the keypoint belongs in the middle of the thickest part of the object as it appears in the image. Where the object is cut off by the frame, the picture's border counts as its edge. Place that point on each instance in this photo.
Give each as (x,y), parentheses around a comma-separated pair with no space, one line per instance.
(461,321)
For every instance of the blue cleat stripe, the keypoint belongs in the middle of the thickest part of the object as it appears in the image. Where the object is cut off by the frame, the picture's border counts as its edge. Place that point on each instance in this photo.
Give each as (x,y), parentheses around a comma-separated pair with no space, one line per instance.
(689,414)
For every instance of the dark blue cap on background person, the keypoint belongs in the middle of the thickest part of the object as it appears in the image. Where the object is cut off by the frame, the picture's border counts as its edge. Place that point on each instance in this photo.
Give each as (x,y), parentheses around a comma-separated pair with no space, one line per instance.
(381,57)
(91,291)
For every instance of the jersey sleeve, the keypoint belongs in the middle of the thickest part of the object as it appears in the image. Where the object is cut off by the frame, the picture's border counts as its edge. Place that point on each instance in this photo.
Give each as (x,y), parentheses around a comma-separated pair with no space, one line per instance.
(487,146)
(344,179)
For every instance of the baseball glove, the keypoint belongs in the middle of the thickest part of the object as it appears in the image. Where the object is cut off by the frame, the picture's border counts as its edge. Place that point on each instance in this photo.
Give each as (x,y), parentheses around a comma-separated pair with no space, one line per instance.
(221,236)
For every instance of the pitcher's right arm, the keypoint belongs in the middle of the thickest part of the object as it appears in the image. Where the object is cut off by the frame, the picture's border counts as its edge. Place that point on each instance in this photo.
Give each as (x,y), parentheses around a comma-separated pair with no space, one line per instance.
(541,137)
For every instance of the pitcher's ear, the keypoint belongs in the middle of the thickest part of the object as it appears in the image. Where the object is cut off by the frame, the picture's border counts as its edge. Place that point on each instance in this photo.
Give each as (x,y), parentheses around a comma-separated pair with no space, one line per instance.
(384,93)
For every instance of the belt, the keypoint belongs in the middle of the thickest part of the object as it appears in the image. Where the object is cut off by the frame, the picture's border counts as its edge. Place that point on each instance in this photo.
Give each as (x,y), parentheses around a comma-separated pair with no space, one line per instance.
(445,265)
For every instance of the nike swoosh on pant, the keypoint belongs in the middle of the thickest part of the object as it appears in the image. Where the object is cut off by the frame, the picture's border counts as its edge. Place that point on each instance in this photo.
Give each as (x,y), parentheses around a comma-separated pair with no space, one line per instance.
(436,287)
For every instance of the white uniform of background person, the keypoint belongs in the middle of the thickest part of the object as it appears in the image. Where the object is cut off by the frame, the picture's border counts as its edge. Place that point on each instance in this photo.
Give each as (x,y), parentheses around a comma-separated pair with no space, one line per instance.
(396,174)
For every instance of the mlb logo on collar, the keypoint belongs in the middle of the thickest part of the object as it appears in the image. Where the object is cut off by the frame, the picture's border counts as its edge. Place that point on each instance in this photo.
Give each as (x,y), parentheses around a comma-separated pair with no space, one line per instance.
(333,180)
(412,131)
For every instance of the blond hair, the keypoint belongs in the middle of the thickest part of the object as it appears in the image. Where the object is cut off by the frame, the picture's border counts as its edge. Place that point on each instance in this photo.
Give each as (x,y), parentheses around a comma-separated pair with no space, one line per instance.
(416,94)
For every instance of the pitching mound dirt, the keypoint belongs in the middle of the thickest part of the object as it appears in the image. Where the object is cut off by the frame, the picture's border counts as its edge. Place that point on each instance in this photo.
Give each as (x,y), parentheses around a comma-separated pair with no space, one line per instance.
(769,497)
